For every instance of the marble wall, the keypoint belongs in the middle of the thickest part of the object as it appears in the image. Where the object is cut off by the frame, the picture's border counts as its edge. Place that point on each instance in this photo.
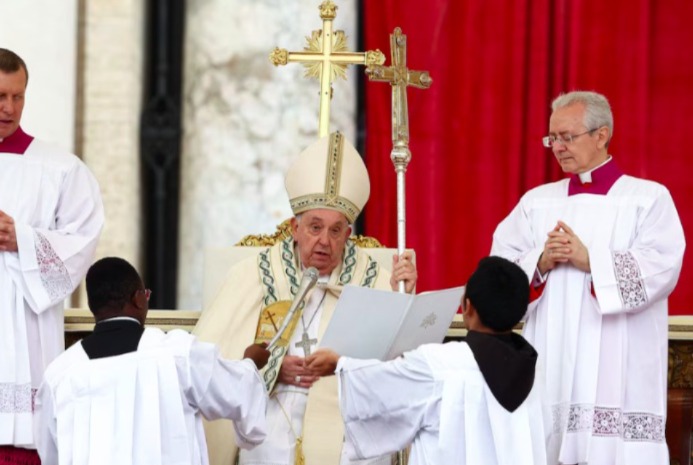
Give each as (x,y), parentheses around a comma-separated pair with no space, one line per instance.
(245,120)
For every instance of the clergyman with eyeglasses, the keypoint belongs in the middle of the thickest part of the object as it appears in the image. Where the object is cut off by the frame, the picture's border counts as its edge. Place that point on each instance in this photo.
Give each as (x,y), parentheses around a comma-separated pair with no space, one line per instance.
(603,251)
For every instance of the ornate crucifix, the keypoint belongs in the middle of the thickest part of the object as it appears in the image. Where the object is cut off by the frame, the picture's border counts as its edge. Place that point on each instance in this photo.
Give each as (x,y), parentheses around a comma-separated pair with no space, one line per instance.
(400,77)
(326,58)
(306,343)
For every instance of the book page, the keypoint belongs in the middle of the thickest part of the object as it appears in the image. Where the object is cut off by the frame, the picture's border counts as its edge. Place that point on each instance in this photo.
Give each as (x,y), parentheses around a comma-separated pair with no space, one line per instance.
(427,320)
(365,322)
(370,323)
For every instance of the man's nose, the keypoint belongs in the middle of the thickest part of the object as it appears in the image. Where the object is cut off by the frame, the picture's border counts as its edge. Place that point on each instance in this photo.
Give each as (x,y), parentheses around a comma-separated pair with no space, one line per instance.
(558,146)
(324,236)
(6,106)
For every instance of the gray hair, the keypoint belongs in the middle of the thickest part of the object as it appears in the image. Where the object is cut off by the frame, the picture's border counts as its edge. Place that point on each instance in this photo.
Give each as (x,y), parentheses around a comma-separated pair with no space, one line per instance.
(597,108)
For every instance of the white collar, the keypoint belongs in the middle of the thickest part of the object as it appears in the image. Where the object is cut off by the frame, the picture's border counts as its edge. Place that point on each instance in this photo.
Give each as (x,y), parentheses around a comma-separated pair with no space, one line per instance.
(121,318)
(587,175)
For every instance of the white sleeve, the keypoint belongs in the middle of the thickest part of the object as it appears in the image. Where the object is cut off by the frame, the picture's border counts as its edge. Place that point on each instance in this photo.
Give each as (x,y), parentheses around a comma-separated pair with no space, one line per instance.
(384,404)
(231,389)
(628,280)
(54,260)
(514,241)
(45,430)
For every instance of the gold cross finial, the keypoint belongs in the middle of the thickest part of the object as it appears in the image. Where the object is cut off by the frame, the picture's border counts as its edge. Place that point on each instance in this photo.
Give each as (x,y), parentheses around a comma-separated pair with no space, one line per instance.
(326,57)
(399,77)
(328,10)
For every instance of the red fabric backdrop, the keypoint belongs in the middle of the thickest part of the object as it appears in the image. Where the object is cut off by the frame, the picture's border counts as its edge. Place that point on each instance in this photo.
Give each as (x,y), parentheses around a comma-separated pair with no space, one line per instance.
(475,135)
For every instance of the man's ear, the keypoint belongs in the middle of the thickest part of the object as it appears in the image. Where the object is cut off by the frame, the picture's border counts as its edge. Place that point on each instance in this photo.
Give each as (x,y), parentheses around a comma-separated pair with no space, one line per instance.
(139,301)
(294,225)
(604,134)
(465,305)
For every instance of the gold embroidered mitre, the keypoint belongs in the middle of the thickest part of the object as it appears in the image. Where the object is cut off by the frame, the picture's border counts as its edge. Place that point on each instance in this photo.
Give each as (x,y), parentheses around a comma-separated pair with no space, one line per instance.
(329,174)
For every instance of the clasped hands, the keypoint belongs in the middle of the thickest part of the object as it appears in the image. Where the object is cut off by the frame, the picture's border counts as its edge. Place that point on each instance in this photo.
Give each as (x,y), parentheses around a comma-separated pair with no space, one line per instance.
(563,246)
(304,372)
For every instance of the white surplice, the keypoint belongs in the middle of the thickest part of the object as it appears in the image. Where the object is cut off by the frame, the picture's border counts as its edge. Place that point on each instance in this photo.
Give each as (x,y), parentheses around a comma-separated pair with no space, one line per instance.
(289,402)
(436,399)
(605,357)
(56,206)
(145,407)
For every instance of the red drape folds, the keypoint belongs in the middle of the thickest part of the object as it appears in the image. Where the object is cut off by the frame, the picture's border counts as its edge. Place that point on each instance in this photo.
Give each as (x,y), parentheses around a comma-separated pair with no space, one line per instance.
(475,135)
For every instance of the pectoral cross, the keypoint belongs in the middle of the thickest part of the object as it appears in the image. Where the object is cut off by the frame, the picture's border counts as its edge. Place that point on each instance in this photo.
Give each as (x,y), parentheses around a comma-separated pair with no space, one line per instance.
(400,77)
(326,58)
(306,343)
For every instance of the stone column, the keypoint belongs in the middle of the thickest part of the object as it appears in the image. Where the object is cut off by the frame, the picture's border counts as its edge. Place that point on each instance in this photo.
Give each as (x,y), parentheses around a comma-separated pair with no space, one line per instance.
(245,120)
(111,75)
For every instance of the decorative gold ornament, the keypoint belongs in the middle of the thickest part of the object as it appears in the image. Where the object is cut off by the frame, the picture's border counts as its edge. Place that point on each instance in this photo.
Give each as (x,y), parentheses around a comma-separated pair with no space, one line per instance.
(339,44)
(326,57)
(279,56)
(328,10)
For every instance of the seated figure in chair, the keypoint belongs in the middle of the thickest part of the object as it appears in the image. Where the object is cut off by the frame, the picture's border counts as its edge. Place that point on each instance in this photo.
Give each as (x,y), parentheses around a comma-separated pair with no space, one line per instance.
(328,186)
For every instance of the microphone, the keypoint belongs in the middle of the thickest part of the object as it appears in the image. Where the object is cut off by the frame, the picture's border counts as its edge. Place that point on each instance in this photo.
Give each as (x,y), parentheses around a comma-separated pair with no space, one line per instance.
(310,277)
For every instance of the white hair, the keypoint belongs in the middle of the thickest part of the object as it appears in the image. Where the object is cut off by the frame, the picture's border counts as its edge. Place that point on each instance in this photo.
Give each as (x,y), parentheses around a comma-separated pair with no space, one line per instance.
(597,108)
(300,215)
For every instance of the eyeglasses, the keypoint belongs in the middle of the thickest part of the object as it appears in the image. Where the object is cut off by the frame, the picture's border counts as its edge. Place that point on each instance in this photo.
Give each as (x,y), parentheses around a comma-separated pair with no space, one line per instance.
(147,293)
(563,139)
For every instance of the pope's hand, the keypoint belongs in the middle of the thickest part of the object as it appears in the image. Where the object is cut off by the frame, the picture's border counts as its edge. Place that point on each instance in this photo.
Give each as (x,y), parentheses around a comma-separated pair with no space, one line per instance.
(323,362)
(294,372)
(403,269)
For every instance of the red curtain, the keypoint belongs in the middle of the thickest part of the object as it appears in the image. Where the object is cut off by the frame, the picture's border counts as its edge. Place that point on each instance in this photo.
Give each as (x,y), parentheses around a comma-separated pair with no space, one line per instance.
(475,134)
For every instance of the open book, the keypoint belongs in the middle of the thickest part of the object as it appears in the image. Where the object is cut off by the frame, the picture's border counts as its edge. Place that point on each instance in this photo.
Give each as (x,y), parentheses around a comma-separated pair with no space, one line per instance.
(369,323)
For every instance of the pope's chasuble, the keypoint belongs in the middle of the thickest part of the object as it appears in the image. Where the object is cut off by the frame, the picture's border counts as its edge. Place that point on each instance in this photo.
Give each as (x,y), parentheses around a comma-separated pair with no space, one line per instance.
(56,206)
(602,336)
(238,315)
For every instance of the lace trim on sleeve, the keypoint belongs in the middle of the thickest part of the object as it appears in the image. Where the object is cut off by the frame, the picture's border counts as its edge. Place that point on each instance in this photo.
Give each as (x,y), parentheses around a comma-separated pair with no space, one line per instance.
(631,287)
(54,275)
(609,422)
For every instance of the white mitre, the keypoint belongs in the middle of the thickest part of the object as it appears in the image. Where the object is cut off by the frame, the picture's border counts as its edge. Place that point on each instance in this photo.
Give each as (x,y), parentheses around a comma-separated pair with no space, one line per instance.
(330,174)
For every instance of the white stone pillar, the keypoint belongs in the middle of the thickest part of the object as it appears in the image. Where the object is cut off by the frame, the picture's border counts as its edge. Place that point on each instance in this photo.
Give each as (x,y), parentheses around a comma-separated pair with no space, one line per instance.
(112,63)
(245,120)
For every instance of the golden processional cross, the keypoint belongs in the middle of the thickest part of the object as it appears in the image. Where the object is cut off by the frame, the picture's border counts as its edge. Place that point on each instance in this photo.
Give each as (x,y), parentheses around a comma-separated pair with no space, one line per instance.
(400,77)
(326,58)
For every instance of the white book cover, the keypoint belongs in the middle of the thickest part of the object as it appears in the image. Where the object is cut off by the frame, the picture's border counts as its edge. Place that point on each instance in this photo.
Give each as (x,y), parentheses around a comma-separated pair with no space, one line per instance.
(370,323)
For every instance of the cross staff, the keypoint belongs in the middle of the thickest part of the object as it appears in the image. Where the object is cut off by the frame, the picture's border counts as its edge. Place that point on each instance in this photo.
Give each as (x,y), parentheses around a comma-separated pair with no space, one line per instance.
(326,58)
(400,77)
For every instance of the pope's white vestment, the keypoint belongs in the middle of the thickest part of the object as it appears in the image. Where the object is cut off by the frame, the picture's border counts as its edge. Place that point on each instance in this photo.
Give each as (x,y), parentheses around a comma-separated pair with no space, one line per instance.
(145,407)
(56,206)
(602,336)
(436,399)
(232,321)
